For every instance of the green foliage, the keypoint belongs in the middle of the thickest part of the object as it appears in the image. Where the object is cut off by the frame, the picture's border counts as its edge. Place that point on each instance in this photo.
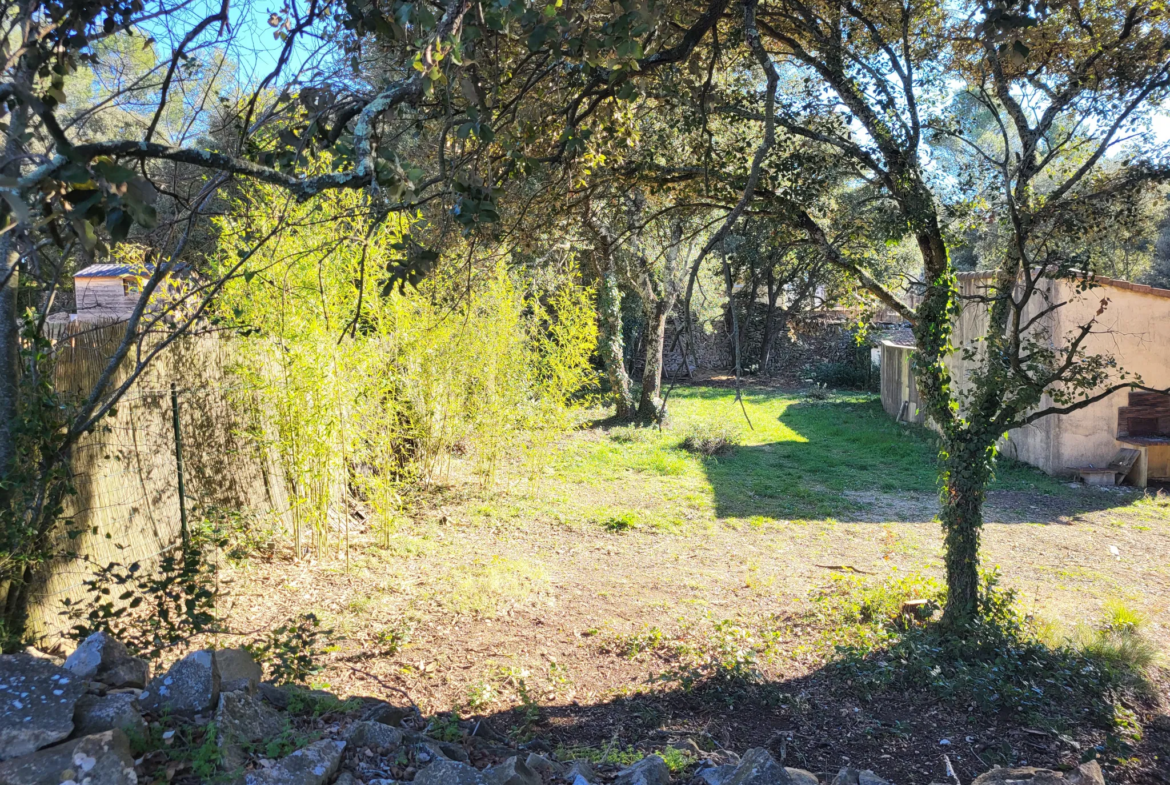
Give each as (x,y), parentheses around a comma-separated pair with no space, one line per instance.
(193,745)
(317,703)
(728,660)
(611,755)
(291,652)
(676,760)
(375,394)
(711,439)
(845,375)
(445,727)
(998,661)
(392,639)
(621,522)
(634,644)
(152,609)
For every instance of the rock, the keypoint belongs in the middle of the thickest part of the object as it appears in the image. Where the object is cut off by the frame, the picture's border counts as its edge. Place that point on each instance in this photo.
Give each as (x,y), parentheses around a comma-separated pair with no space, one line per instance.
(580,768)
(651,770)
(242,719)
(345,778)
(688,747)
(102,658)
(846,776)
(537,745)
(714,775)
(1086,774)
(313,765)
(99,713)
(368,733)
(758,767)
(237,670)
(36,704)
(546,769)
(33,651)
(867,777)
(801,777)
(387,714)
(722,757)
(454,752)
(513,771)
(451,772)
(277,696)
(189,687)
(100,759)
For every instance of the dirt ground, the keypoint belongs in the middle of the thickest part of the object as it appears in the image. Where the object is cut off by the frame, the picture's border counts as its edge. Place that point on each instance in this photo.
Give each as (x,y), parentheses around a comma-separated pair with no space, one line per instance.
(495,605)
(551,633)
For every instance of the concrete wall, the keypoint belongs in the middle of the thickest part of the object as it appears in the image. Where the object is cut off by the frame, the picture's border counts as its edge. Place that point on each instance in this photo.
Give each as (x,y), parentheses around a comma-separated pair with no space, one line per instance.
(1133,327)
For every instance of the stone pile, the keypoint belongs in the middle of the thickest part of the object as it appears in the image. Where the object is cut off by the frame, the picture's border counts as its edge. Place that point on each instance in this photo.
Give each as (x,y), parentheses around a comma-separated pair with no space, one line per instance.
(71,723)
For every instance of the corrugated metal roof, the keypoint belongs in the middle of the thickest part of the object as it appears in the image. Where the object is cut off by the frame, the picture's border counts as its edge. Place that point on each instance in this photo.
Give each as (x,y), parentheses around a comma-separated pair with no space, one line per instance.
(107,271)
(119,270)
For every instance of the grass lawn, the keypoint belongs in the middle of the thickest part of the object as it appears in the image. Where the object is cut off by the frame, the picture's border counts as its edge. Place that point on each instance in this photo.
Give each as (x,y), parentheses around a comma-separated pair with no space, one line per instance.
(799,457)
(574,604)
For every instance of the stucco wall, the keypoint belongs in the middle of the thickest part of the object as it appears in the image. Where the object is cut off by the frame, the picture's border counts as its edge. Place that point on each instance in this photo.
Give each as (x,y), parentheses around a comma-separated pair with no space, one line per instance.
(1134,328)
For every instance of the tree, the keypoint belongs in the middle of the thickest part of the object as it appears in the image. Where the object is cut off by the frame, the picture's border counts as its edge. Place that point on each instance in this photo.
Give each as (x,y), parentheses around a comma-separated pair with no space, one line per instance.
(432,111)
(1070,90)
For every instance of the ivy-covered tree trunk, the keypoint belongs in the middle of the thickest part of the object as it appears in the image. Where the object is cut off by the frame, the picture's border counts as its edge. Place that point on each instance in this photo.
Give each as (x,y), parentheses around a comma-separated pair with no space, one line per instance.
(9,353)
(650,402)
(966,472)
(611,345)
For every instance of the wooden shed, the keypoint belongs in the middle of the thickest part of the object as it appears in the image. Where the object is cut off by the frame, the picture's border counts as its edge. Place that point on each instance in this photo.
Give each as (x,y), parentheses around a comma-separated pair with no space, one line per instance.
(106,292)
(899,394)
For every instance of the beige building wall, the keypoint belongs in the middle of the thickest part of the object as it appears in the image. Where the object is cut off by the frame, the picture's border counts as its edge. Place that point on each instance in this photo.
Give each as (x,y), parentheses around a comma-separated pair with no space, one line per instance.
(1134,328)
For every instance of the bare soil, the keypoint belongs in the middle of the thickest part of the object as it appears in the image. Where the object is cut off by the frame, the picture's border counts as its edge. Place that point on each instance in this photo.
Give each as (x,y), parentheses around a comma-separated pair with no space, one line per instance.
(557,627)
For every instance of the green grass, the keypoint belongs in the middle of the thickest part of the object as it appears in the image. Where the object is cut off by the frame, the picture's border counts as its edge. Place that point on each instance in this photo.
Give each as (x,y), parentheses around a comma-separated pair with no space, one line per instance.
(798,459)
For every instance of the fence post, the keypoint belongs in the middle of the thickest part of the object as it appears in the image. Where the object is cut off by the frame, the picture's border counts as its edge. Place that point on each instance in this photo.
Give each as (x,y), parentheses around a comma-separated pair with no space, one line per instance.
(179,464)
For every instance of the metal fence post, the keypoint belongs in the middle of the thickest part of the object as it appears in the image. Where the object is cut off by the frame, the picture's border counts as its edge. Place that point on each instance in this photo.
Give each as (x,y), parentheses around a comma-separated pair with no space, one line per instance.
(179,464)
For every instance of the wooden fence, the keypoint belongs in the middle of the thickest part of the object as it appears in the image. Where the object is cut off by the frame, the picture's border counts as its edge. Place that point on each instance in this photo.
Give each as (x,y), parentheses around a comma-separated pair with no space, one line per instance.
(125,470)
(899,393)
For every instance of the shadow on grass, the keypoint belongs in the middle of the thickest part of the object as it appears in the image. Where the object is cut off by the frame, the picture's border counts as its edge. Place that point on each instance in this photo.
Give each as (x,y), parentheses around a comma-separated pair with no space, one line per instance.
(839,457)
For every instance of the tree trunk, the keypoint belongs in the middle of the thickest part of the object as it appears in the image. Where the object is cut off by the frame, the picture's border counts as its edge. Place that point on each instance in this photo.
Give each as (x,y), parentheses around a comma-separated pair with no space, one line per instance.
(9,350)
(611,346)
(9,318)
(967,470)
(769,318)
(746,326)
(650,403)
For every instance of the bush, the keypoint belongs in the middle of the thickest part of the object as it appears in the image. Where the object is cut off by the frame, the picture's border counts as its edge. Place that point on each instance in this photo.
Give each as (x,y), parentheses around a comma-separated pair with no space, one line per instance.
(998,662)
(845,376)
(709,440)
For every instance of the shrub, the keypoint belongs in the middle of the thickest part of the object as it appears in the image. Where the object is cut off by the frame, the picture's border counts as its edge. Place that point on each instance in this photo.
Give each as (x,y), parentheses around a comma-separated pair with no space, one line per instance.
(998,661)
(711,439)
(622,522)
(152,608)
(844,375)
(292,651)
